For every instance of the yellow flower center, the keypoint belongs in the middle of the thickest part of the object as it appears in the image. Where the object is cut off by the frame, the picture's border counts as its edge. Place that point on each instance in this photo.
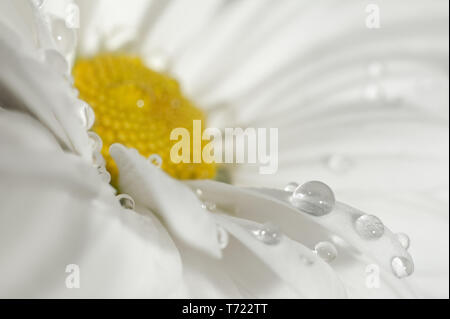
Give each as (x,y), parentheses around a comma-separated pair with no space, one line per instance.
(138,108)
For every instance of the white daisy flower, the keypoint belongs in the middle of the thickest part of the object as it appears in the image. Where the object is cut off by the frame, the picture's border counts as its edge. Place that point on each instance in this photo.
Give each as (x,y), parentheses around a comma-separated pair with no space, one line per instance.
(89,90)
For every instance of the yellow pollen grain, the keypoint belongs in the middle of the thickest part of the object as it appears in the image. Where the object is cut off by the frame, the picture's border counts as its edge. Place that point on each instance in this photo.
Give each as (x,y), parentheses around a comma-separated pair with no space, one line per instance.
(138,108)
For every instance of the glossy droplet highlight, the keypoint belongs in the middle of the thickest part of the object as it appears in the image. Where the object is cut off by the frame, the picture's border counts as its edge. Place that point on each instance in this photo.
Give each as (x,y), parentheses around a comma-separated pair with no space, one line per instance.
(126,201)
(65,38)
(291,187)
(222,237)
(369,227)
(87,114)
(403,240)
(95,142)
(326,251)
(211,206)
(402,267)
(314,198)
(156,160)
(269,234)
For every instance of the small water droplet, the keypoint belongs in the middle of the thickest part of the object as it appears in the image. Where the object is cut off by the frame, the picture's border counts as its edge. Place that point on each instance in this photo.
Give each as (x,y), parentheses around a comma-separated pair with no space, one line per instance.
(56,61)
(140,103)
(314,198)
(403,239)
(326,251)
(199,192)
(156,160)
(104,174)
(402,266)
(222,237)
(291,187)
(95,141)
(369,227)
(65,38)
(126,201)
(211,206)
(87,115)
(269,234)
(158,60)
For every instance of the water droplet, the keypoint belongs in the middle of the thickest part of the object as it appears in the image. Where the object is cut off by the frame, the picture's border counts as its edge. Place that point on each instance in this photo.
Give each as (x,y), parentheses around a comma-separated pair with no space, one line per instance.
(269,234)
(222,237)
(326,251)
(291,187)
(402,266)
(369,227)
(126,201)
(338,163)
(95,141)
(156,160)
(65,38)
(87,114)
(56,61)
(199,192)
(403,239)
(104,174)
(314,198)
(140,103)
(211,206)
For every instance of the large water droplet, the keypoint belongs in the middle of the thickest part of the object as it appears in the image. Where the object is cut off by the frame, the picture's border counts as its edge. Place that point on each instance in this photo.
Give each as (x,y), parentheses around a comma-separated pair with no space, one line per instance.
(291,187)
(326,251)
(87,114)
(65,38)
(369,227)
(402,266)
(156,160)
(403,239)
(126,201)
(269,234)
(314,197)
(222,237)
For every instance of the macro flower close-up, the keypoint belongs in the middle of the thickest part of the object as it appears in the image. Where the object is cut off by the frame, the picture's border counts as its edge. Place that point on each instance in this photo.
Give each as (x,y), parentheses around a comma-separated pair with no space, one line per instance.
(224,149)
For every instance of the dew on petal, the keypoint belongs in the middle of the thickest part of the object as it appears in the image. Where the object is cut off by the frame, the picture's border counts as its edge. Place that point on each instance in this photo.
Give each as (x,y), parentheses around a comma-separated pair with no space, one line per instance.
(156,160)
(95,142)
(211,206)
(222,237)
(326,251)
(104,174)
(291,187)
(402,267)
(126,201)
(314,198)
(87,114)
(269,234)
(65,38)
(403,240)
(369,227)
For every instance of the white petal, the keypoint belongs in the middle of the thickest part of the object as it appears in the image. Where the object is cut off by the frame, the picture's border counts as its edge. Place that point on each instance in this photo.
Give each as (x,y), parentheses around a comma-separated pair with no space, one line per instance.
(55,211)
(174,202)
